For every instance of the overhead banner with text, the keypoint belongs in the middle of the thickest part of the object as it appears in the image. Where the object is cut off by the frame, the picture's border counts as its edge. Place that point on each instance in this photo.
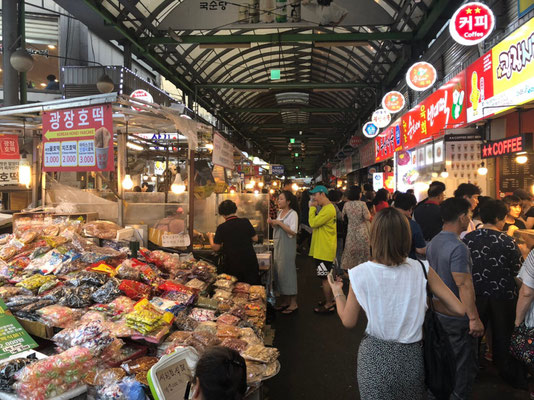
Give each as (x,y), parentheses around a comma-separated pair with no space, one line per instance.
(78,139)
(223,152)
(205,14)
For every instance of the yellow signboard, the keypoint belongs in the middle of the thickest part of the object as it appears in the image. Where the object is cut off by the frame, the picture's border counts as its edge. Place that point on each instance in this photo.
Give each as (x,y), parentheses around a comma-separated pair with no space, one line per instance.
(525,6)
(513,69)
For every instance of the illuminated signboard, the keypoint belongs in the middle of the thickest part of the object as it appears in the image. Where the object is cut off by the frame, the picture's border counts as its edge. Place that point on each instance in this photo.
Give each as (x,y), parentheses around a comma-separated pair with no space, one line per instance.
(393,102)
(421,76)
(381,118)
(472,23)
(370,130)
(511,145)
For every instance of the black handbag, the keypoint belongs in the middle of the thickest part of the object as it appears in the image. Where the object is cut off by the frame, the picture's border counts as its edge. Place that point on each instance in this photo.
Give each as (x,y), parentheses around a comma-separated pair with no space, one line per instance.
(440,363)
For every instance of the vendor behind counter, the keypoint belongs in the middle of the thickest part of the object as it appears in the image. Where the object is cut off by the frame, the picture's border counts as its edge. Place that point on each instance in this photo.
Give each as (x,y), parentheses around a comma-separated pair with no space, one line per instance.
(235,237)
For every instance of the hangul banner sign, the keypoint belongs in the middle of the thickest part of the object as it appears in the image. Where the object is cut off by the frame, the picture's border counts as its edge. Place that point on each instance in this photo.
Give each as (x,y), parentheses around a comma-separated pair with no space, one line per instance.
(388,142)
(367,154)
(479,87)
(9,172)
(78,139)
(513,70)
(443,109)
(9,147)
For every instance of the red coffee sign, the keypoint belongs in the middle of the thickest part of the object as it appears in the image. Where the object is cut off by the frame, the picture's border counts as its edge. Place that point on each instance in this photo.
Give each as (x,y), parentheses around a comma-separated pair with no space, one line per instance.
(421,76)
(78,139)
(472,23)
(393,102)
(511,145)
(9,147)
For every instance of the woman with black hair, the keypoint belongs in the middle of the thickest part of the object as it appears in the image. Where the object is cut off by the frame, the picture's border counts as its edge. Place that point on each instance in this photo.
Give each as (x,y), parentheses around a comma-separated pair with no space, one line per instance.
(221,374)
(512,221)
(285,228)
(381,199)
(235,237)
(357,246)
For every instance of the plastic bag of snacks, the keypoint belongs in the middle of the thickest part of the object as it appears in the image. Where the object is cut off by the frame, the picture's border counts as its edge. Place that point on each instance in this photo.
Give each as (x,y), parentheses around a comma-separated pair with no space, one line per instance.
(108,292)
(9,370)
(55,375)
(227,319)
(59,316)
(77,297)
(227,331)
(34,282)
(184,322)
(90,335)
(202,314)
(135,290)
(146,317)
(257,292)
(122,305)
(101,229)
(126,271)
(224,284)
(235,344)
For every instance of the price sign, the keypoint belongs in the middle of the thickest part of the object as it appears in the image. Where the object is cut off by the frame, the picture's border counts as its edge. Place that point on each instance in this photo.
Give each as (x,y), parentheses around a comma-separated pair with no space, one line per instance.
(173,380)
(175,240)
(13,338)
(472,23)
(78,139)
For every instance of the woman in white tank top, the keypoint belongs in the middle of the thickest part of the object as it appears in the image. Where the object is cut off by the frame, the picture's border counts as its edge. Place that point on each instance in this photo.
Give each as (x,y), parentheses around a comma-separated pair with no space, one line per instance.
(391,289)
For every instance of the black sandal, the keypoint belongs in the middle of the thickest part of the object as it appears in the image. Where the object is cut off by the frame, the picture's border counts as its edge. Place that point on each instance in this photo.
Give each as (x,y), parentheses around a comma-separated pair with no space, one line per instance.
(288,311)
(281,308)
(324,310)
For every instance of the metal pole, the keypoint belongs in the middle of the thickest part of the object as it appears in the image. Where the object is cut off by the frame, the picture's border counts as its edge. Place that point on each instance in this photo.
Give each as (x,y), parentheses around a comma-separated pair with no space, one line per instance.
(121,171)
(22,33)
(9,36)
(191,188)
(35,169)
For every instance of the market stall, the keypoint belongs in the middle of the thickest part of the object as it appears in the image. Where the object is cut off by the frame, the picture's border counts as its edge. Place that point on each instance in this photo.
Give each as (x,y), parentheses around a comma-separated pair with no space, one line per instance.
(78,272)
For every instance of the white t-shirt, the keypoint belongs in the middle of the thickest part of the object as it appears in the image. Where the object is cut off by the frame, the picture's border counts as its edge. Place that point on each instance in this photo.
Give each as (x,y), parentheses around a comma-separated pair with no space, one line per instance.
(394,299)
(291,219)
(526,274)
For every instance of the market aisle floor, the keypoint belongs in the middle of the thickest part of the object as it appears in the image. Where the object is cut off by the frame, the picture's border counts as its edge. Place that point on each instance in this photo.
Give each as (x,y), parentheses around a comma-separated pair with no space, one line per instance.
(318,355)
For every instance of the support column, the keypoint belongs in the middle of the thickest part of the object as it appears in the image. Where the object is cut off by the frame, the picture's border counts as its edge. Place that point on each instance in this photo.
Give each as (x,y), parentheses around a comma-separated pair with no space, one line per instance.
(127,58)
(121,171)
(22,34)
(190,191)
(9,36)
(36,167)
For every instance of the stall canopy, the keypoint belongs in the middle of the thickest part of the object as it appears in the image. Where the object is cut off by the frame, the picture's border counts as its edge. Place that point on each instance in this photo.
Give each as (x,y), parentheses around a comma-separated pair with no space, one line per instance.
(276,70)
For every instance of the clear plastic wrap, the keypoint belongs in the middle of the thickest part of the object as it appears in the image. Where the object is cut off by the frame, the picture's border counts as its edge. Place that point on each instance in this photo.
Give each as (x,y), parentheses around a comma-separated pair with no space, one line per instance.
(91,335)
(108,292)
(101,229)
(208,326)
(202,314)
(135,290)
(55,375)
(10,369)
(235,344)
(59,316)
(77,297)
(227,319)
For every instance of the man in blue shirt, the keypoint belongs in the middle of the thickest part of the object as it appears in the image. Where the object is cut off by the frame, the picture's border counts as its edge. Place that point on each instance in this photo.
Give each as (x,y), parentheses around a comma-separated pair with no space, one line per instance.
(405,203)
(451,260)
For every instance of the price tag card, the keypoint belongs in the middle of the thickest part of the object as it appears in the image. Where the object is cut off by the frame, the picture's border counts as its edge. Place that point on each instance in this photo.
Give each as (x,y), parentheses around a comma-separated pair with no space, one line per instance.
(173,379)
(52,154)
(13,338)
(175,240)
(86,153)
(69,154)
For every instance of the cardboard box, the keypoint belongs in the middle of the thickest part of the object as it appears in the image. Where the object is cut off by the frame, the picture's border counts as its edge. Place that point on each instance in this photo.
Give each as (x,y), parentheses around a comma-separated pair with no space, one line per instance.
(37,329)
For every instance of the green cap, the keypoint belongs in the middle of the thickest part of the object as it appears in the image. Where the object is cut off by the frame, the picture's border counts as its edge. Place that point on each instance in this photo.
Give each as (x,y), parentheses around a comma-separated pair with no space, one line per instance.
(319,189)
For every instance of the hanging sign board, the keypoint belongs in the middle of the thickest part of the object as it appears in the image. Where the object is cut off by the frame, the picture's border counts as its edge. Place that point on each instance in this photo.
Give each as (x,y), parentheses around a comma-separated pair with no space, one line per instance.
(78,139)
(277,169)
(421,76)
(370,130)
(387,143)
(141,95)
(498,148)
(9,160)
(381,118)
(393,102)
(367,154)
(479,87)
(13,338)
(223,152)
(472,23)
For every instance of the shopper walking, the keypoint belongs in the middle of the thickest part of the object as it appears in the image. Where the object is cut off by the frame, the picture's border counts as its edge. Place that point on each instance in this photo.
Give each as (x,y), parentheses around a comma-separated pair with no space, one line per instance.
(235,237)
(285,228)
(391,289)
(496,262)
(428,214)
(471,193)
(451,260)
(405,203)
(357,244)
(323,243)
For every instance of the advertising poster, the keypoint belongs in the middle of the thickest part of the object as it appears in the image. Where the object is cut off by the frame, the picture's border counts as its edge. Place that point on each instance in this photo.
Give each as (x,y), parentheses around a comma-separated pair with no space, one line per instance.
(9,160)
(388,142)
(513,70)
(78,139)
(479,87)
(13,338)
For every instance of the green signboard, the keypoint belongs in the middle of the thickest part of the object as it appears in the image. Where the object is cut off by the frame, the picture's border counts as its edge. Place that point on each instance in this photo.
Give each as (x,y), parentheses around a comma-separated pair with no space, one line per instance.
(275,74)
(13,338)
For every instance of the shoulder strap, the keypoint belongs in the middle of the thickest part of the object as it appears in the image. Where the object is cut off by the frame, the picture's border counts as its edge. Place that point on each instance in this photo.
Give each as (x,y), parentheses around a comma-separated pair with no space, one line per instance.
(428,291)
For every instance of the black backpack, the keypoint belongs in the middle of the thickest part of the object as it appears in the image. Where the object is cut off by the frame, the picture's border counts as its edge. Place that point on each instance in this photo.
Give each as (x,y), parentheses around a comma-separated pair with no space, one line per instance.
(440,363)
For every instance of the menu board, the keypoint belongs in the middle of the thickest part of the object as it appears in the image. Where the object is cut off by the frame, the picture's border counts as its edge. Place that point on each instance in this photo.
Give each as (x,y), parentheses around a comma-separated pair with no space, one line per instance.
(515,176)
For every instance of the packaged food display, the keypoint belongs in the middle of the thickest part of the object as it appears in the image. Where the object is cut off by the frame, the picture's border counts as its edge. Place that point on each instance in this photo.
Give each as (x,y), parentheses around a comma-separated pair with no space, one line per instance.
(55,375)
(106,303)
(261,354)
(202,314)
(255,372)
(101,229)
(235,344)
